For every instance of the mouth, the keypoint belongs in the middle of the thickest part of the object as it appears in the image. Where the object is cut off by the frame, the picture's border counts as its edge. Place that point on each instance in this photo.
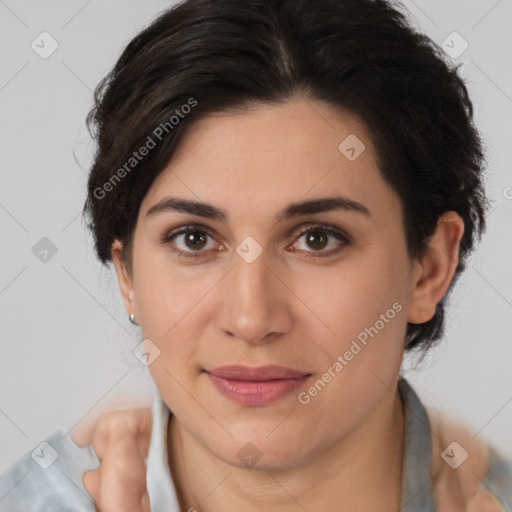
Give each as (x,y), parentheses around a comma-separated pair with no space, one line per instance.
(256,386)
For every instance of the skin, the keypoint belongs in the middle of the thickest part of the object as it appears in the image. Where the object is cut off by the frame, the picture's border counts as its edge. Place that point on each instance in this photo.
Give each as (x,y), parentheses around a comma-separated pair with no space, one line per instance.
(121,442)
(283,308)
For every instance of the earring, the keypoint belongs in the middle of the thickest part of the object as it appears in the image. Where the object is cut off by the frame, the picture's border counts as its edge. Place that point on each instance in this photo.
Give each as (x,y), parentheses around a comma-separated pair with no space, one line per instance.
(131,316)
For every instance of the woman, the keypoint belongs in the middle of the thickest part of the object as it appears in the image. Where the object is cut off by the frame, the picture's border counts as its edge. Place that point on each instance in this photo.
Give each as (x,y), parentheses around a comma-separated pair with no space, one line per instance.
(288,191)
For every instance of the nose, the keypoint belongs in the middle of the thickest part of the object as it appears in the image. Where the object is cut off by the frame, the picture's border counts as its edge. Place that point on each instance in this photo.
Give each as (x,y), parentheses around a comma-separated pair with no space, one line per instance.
(254,306)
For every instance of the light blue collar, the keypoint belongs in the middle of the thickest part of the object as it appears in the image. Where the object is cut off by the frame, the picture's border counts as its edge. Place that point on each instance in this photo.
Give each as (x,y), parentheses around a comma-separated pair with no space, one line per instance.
(417,494)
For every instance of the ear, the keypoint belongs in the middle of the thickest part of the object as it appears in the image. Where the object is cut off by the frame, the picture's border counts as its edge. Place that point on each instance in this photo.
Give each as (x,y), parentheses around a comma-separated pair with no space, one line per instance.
(124,279)
(434,272)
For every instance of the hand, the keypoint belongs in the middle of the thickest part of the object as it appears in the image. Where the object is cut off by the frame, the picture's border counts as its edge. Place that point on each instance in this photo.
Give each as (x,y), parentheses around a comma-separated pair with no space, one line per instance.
(484,501)
(121,442)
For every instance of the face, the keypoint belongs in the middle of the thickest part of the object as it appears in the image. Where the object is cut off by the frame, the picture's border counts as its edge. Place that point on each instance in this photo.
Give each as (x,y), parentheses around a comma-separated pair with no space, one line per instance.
(322,291)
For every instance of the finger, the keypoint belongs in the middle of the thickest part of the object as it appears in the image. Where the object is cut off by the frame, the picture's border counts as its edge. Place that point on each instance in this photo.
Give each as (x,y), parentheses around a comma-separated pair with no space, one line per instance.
(91,481)
(134,424)
(121,441)
(122,480)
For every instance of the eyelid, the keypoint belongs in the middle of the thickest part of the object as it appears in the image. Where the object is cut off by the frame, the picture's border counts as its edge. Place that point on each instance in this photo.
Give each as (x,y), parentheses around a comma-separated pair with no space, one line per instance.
(332,230)
(340,234)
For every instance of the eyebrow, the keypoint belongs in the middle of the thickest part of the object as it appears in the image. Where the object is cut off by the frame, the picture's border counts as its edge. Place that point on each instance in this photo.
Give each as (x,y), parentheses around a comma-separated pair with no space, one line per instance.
(295,209)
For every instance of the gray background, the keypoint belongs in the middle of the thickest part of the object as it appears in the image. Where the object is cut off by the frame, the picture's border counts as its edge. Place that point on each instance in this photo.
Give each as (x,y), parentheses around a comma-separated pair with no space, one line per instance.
(66,349)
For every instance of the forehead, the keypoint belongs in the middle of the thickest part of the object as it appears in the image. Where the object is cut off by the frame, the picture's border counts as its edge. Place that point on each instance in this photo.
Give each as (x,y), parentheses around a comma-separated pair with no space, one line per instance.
(257,159)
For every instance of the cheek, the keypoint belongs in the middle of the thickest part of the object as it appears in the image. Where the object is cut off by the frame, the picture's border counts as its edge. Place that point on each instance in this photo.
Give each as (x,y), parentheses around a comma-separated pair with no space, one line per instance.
(348,298)
(171,317)
(360,362)
(168,311)
(364,306)
(167,294)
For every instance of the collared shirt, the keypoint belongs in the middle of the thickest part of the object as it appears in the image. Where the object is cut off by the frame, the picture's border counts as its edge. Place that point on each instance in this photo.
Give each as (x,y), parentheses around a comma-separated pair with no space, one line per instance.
(49,478)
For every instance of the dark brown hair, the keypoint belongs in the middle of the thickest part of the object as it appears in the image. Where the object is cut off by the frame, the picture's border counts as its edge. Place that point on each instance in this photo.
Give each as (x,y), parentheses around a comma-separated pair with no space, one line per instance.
(360,55)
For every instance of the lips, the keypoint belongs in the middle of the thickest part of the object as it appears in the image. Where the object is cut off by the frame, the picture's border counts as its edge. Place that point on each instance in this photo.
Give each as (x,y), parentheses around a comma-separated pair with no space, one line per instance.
(256,386)
(262,373)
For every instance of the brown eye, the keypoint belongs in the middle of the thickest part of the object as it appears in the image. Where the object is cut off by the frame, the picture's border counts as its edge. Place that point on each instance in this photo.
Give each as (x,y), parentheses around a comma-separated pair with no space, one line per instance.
(319,237)
(195,239)
(187,241)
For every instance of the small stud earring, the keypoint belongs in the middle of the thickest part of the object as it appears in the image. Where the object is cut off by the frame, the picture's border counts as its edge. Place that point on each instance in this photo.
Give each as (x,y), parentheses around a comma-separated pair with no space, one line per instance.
(131,316)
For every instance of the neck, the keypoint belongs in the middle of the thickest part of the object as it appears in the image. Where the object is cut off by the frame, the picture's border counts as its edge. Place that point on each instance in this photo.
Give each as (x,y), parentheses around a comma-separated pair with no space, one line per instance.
(361,471)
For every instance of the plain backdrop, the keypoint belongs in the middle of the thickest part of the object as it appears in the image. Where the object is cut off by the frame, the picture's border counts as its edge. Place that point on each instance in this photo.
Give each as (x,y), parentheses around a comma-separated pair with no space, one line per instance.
(66,345)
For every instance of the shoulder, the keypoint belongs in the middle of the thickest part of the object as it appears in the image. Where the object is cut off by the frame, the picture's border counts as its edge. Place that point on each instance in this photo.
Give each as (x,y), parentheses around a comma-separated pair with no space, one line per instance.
(49,478)
(468,474)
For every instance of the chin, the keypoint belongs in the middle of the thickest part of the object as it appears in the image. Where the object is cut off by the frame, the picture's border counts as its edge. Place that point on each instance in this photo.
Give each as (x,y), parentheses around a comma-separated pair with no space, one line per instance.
(260,452)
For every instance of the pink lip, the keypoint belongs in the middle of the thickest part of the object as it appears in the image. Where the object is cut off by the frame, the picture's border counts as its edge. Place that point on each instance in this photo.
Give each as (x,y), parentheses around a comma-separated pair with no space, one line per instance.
(256,386)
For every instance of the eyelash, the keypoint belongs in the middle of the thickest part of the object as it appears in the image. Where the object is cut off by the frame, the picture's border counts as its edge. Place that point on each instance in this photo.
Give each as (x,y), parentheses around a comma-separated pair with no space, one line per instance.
(336,233)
